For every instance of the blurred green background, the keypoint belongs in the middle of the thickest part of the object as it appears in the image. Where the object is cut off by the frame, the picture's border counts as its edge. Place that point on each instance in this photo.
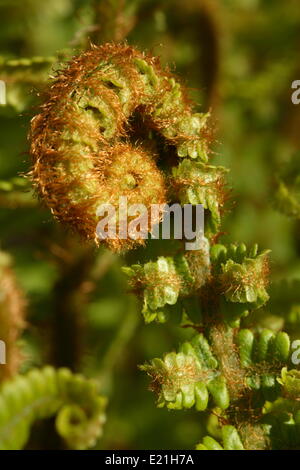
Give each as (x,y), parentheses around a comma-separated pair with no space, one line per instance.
(238,58)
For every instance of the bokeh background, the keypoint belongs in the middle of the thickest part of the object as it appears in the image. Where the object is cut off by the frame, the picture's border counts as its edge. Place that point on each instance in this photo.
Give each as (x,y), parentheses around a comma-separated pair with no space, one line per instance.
(238,58)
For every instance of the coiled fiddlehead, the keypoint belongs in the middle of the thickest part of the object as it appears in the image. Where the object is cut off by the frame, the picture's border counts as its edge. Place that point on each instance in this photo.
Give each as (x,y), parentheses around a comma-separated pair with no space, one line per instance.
(200,370)
(189,377)
(230,439)
(85,151)
(75,401)
(163,282)
(247,381)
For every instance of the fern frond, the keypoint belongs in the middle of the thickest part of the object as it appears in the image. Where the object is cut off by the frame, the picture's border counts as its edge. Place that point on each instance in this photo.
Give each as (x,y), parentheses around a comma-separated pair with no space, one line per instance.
(217,371)
(188,378)
(163,282)
(39,394)
(82,155)
(197,183)
(263,355)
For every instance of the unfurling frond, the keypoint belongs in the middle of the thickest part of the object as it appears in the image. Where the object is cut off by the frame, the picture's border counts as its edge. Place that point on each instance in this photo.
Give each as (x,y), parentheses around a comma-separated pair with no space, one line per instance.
(79,409)
(82,141)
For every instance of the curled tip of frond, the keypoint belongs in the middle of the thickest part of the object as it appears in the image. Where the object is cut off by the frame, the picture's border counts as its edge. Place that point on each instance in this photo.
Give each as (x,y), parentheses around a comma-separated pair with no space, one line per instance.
(162,282)
(84,147)
(42,393)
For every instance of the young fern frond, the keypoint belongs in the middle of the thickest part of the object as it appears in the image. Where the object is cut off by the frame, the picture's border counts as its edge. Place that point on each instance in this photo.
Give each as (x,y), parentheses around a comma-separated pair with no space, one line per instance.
(188,378)
(163,282)
(277,428)
(83,143)
(238,277)
(257,388)
(241,278)
(79,409)
(197,183)
(230,440)
(117,124)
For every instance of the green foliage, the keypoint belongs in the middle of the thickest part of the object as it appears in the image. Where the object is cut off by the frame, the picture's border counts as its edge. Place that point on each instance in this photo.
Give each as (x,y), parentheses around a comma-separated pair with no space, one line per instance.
(235,376)
(46,392)
(162,282)
(198,183)
(189,377)
(241,274)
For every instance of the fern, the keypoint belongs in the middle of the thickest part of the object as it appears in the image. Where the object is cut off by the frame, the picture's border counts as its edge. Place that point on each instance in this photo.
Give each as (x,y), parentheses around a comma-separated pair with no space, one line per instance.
(83,155)
(39,394)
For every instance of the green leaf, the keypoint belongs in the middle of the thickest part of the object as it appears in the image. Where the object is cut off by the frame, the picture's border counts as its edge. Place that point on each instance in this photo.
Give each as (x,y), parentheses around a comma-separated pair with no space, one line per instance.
(198,183)
(230,440)
(187,378)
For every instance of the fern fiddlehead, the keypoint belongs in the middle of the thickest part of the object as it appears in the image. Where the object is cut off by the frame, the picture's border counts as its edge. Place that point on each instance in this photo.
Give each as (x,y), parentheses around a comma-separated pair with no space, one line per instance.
(79,409)
(80,142)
